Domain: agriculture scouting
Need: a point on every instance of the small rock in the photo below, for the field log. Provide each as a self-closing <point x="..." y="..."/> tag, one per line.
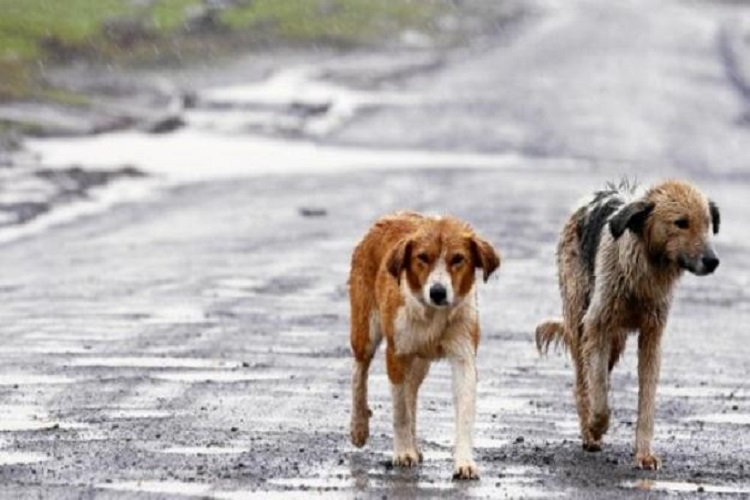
<point x="520" y="439"/>
<point x="313" y="212"/>
<point x="164" y="125"/>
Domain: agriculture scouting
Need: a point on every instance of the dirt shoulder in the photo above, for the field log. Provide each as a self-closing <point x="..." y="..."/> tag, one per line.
<point x="68" y="71"/>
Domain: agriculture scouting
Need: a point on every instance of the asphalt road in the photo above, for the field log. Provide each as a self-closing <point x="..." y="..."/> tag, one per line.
<point x="196" y="343"/>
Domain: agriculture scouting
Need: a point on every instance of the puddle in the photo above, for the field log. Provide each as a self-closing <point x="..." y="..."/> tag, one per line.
<point x="24" y="418"/>
<point x="21" y="457"/>
<point x="684" y="487"/>
<point x="151" y="362"/>
<point x="314" y="482"/>
<point x="511" y="489"/>
<point x="699" y="392"/>
<point x="216" y="376"/>
<point x="304" y="334"/>
<point x="503" y="404"/>
<point x="251" y="157"/>
<point x="177" y="315"/>
<point x="33" y="379"/>
<point x="162" y="157"/>
<point x="280" y="495"/>
<point x="294" y="99"/>
<point x="480" y="442"/>
<point x="430" y="455"/>
<point x="235" y="288"/>
<point x="45" y="348"/>
<point x="159" y="487"/>
<point x="203" y="450"/>
<point x="722" y="418"/>
<point x="136" y="413"/>
<point x="99" y="200"/>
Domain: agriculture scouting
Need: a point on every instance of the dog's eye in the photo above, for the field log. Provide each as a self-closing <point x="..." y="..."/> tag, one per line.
<point x="457" y="259"/>
<point x="423" y="257"/>
<point x="682" y="223"/>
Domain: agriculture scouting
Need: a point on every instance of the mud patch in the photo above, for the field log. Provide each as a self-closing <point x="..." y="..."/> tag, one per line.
<point x="137" y="413"/>
<point x="159" y="487"/>
<point x="722" y="418"/>
<point x="217" y="377"/>
<point x="684" y="487"/>
<point x="17" y="418"/>
<point x="20" y="457"/>
<point x="33" y="379"/>
<point x="42" y="190"/>
<point x="203" y="450"/>
<point x="151" y="362"/>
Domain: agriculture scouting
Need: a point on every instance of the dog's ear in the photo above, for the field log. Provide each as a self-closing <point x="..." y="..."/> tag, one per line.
<point x="715" y="216"/>
<point x="399" y="257"/>
<point x="484" y="256"/>
<point x="632" y="216"/>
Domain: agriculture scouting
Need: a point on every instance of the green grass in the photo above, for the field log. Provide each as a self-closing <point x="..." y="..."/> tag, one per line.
<point x="24" y="23"/>
<point x="34" y="32"/>
<point x="168" y="15"/>
<point x="347" y="21"/>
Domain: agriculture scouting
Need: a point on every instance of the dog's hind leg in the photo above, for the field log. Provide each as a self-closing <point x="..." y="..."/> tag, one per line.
<point x="582" y="400"/>
<point x="366" y="337"/>
<point x="574" y="305"/>
<point x="596" y="352"/>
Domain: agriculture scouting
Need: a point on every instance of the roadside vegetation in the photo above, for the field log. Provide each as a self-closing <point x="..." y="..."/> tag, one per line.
<point x="37" y="33"/>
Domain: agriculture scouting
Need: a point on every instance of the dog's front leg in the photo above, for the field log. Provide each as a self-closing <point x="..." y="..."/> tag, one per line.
<point x="404" y="453"/>
<point x="649" y="364"/>
<point x="463" y="366"/>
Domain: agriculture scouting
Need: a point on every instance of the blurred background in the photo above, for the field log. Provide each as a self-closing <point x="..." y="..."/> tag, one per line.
<point x="182" y="183"/>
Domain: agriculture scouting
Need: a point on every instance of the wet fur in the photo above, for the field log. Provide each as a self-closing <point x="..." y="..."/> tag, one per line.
<point x="391" y="268"/>
<point x="619" y="257"/>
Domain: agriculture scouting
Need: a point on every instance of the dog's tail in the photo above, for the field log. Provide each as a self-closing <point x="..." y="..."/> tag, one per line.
<point x="548" y="333"/>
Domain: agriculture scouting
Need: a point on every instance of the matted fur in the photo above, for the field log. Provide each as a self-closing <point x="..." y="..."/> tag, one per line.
<point x="619" y="257"/>
<point x="397" y="271"/>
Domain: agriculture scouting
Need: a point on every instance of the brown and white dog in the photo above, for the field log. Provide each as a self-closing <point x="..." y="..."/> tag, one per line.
<point x="619" y="258"/>
<point x="412" y="281"/>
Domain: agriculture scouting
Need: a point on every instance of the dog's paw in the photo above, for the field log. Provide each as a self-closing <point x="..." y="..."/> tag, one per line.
<point x="592" y="445"/>
<point x="360" y="431"/>
<point x="407" y="458"/>
<point x="647" y="461"/>
<point x="465" y="469"/>
<point x="598" y="425"/>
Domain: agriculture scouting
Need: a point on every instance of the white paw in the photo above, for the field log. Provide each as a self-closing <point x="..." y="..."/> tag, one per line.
<point x="647" y="461"/>
<point x="465" y="469"/>
<point x="406" y="458"/>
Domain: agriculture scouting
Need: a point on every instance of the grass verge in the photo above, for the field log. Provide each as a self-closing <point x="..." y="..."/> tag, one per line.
<point x="34" y="33"/>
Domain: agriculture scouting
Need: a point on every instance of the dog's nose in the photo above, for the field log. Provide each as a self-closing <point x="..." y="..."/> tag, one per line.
<point x="438" y="294"/>
<point x="710" y="262"/>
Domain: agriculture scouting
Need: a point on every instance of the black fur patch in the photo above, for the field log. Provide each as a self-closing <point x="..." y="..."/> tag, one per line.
<point x="715" y="216"/>
<point x="592" y="221"/>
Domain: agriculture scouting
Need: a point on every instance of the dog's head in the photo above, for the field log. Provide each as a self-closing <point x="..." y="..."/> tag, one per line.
<point x="676" y="222"/>
<point x="438" y="261"/>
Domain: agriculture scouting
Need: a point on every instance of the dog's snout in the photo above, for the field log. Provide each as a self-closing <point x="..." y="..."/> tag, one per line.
<point x="710" y="262"/>
<point x="438" y="294"/>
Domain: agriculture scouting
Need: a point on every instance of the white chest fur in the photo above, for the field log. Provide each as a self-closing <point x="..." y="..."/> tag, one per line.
<point x="429" y="331"/>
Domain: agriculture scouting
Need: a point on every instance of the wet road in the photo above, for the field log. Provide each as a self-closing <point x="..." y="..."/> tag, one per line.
<point x="196" y="343"/>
